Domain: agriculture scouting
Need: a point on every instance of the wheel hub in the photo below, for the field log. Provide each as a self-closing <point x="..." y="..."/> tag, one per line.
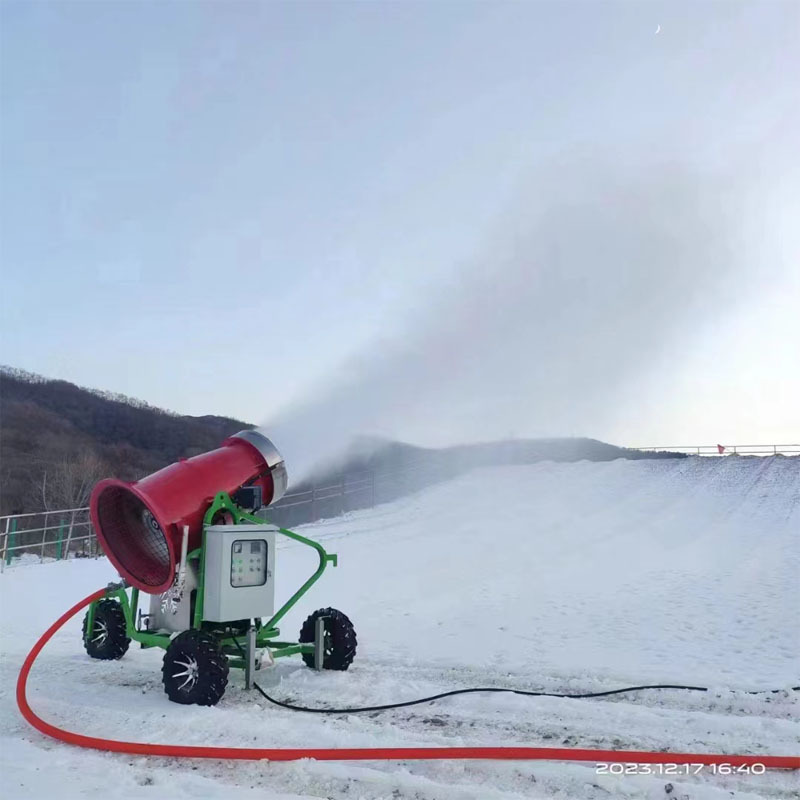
<point x="189" y="673"/>
<point x="100" y="632"/>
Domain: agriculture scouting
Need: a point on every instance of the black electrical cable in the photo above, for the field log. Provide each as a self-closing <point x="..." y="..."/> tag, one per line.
<point x="493" y="689"/>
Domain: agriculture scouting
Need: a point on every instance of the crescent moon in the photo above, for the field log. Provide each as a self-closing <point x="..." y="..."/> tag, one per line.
<point x="658" y="29"/>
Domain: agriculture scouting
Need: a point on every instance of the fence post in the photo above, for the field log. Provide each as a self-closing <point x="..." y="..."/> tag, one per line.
<point x="60" y="547"/>
<point x="5" y="546"/>
<point x="44" y="536"/>
<point x="11" y="540"/>
<point x="69" y="532"/>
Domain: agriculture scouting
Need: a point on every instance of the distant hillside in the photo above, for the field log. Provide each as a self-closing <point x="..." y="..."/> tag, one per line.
<point x="381" y="470"/>
<point x="385" y="455"/>
<point x="57" y="439"/>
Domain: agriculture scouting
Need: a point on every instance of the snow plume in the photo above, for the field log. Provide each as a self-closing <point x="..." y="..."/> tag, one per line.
<point x="584" y="286"/>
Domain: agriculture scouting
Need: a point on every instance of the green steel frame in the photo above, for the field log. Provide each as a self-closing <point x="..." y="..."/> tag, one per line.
<point x="266" y="632"/>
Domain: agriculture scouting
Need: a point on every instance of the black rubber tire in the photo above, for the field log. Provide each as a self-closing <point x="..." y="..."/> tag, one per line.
<point x="340" y="639"/>
<point x="203" y="650"/>
<point x="108" y="641"/>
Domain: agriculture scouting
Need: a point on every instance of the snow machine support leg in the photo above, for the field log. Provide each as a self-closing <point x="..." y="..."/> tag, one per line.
<point x="250" y="656"/>
<point x="319" y="643"/>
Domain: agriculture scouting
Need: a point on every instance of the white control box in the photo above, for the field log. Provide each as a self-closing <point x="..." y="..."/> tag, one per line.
<point x="239" y="572"/>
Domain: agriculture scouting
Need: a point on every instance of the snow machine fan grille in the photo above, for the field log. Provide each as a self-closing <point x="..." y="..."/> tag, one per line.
<point x="134" y="535"/>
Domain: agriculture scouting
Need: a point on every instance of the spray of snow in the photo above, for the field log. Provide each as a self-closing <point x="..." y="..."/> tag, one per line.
<point x="584" y="287"/>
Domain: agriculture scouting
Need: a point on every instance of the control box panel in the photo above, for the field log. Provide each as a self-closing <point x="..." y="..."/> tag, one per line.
<point x="239" y="572"/>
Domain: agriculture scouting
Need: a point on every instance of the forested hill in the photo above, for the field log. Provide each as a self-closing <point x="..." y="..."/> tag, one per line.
<point x="74" y="436"/>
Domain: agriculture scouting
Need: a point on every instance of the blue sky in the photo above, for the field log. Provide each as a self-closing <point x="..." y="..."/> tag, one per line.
<point x="223" y="207"/>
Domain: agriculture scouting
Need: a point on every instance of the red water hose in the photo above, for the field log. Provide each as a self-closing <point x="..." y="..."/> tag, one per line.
<point x="359" y="753"/>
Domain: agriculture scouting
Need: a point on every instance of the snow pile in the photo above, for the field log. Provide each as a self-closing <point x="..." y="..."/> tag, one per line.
<point x="563" y="577"/>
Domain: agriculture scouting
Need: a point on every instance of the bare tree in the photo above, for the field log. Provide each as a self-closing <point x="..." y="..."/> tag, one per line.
<point x="68" y="485"/>
<point x="69" y="482"/>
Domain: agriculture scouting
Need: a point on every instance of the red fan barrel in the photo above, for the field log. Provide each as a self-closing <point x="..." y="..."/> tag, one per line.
<point x="140" y="525"/>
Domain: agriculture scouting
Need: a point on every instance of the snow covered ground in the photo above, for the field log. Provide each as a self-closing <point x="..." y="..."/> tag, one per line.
<point x="563" y="577"/>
